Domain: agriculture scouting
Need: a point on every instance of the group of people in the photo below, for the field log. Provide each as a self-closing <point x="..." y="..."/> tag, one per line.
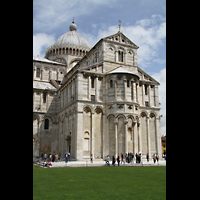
<point x="55" y="157"/>
<point x="129" y="158"/>
<point x="46" y="164"/>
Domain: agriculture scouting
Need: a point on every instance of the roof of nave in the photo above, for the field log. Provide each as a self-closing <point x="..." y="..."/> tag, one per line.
<point x="121" y="70"/>
<point x="41" y="59"/>
<point x="43" y="86"/>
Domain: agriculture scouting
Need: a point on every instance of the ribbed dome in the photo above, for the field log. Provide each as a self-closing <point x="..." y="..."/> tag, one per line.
<point x="72" y="39"/>
<point x="69" y="43"/>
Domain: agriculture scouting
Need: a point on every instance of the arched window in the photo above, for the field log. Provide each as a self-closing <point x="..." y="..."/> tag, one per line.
<point x="92" y="82"/>
<point x="120" y="56"/>
<point x="111" y="83"/>
<point x="46" y="124"/>
<point x="38" y="73"/>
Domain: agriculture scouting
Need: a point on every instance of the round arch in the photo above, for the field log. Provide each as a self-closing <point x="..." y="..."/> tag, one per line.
<point x="143" y="114"/>
<point x="87" y="109"/>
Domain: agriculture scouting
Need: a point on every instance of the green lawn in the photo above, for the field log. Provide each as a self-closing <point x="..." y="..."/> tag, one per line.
<point x="99" y="183"/>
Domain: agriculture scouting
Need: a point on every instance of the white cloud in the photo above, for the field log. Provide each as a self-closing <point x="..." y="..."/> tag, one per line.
<point x="40" y="42"/>
<point x="160" y="61"/>
<point x="50" y="14"/>
<point x="161" y="78"/>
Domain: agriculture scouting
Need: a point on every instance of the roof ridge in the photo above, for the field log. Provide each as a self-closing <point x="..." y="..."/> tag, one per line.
<point x="53" y="82"/>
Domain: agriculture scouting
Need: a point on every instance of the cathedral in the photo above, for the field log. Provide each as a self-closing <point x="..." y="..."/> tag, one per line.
<point x="94" y="100"/>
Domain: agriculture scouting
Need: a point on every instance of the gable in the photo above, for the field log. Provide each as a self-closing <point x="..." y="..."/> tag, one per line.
<point x="122" y="39"/>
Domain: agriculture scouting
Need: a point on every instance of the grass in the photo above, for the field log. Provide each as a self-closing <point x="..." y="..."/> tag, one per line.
<point x="99" y="183"/>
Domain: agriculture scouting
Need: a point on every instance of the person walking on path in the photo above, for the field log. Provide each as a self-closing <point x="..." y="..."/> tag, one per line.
<point x="59" y="156"/>
<point x="91" y="158"/>
<point x="122" y="158"/>
<point x="157" y="157"/>
<point x="154" y="158"/>
<point x="113" y="161"/>
<point x="53" y="157"/>
<point x="132" y="159"/>
<point x="66" y="157"/>
<point x="147" y="157"/>
<point x="45" y="156"/>
<point x="118" y="160"/>
<point x="108" y="159"/>
<point x="56" y="157"/>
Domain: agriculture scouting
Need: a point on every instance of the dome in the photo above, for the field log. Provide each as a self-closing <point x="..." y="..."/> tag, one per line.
<point x="72" y="39"/>
<point x="70" y="43"/>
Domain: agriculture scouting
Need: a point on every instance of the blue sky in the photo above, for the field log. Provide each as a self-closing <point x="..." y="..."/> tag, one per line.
<point x="143" y="22"/>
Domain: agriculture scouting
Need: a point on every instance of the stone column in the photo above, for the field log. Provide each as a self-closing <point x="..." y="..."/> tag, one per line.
<point x="125" y="90"/>
<point x="47" y="101"/>
<point x="158" y="138"/>
<point x="137" y="86"/>
<point x="115" y="90"/>
<point x="39" y="137"/>
<point x="34" y="73"/>
<point x="140" y="141"/>
<point x="50" y="74"/>
<point x="143" y="94"/>
<point x="57" y="75"/>
<point x="116" y="141"/>
<point x="42" y="72"/>
<point x="41" y="101"/>
<point x="149" y="87"/>
<point x="126" y="136"/>
<point x="96" y="89"/>
<point x="92" y="139"/>
<point x="148" y="137"/>
<point x="89" y="86"/>
<point x="116" y="56"/>
<point x="134" y="137"/>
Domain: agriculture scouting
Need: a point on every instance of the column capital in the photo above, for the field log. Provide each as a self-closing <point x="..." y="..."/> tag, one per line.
<point x="126" y="122"/>
<point x="116" y="121"/>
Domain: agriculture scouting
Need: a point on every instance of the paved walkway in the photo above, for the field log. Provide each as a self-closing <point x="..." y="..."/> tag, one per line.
<point x="102" y="163"/>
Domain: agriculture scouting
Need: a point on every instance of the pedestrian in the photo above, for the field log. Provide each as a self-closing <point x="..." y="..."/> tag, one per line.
<point x="154" y="158"/>
<point x="128" y="158"/>
<point x="45" y="156"/>
<point x="108" y="159"/>
<point x="136" y="157"/>
<point x="122" y="158"/>
<point x="147" y="157"/>
<point x="157" y="157"/>
<point x="53" y="157"/>
<point x="140" y="157"/>
<point x="132" y="159"/>
<point x="118" y="160"/>
<point x="56" y="157"/>
<point x="113" y="161"/>
<point x="59" y="156"/>
<point x="91" y="158"/>
<point x="50" y="156"/>
<point x="66" y="157"/>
